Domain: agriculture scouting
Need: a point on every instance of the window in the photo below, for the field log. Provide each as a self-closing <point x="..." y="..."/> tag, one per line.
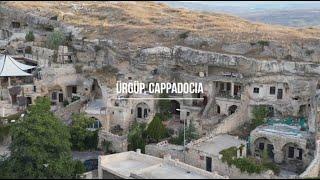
<point x="74" y="89"/>
<point x="300" y="154"/>
<point x="228" y="86"/>
<point x="54" y="96"/>
<point x="261" y="146"/>
<point x="256" y="90"/>
<point x="291" y="152"/>
<point x="272" y="90"/>
<point x="280" y="93"/>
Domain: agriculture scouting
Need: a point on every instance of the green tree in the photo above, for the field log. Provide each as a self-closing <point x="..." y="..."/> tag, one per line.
<point x="191" y="134"/>
<point x="156" y="130"/>
<point x="177" y="140"/>
<point x="55" y="39"/>
<point x="259" y="115"/>
<point x="137" y="137"/>
<point x="29" y="36"/>
<point x="106" y="145"/>
<point x="82" y="138"/>
<point x="164" y="107"/>
<point x="40" y="147"/>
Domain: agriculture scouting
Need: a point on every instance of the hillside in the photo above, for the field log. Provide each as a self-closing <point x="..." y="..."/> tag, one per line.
<point x="148" y="24"/>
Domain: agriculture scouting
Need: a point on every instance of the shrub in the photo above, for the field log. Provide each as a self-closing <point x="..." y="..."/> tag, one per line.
<point x="248" y="165"/>
<point x="65" y="103"/>
<point x="79" y="68"/>
<point x="75" y="98"/>
<point x="272" y="166"/>
<point x="29" y="36"/>
<point x="177" y="140"/>
<point x="4" y="132"/>
<point x="288" y="57"/>
<point x="156" y="130"/>
<point x="191" y="134"/>
<point x="106" y="146"/>
<point x="309" y="52"/>
<point x="263" y="43"/>
<point x="259" y="115"/>
<point x="55" y="39"/>
<point x="184" y="35"/>
<point x="164" y="107"/>
<point x="81" y="138"/>
<point x="137" y="137"/>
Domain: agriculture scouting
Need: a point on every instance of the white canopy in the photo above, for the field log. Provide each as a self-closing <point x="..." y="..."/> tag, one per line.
<point x="10" y="67"/>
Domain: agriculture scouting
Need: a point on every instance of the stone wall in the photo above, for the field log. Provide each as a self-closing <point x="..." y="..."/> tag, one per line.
<point x="160" y="151"/>
<point x="234" y="172"/>
<point x="118" y="143"/>
<point x="198" y="159"/>
<point x="313" y="169"/>
<point x="236" y="119"/>
<point x="66" y="112"/>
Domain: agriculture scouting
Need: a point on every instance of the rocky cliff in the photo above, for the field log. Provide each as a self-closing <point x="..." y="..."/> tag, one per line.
<point x="137" y="25"/>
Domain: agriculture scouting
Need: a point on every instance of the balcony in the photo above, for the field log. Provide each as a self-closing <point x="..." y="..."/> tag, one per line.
<point x="227" y="95"/>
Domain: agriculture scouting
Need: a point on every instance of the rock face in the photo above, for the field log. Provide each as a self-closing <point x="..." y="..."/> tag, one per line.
<point x="247" y="66"/>
<point x="5" y="34"/>
<point x="165" y="26"/>
<point x="237" y="48"/>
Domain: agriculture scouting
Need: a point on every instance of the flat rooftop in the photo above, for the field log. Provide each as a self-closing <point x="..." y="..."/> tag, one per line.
<point x="125" y="167"/>
<point x="136" y="165"/>
<point x="282" y="130"/>
<point x="216" y="144"/>
<point x="164" y="171"/>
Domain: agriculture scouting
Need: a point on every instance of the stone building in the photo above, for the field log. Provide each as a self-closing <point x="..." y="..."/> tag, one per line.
<point x="134" y="165"/>
<point x="285" y="144"/>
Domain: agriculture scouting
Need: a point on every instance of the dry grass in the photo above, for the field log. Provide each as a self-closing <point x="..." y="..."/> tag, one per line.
<point x="136" y="22"/>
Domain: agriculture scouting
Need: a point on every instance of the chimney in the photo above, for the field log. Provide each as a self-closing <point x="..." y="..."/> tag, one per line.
<point x="138" y="151"/>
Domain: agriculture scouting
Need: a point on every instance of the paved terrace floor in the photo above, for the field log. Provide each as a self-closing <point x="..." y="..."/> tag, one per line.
<point x="94" y="107"/>
<point x="165" y="171"/>
<point x="218" y="143"/>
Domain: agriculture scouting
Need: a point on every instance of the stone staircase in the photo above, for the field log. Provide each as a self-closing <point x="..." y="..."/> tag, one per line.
<point x="236" y="119"/>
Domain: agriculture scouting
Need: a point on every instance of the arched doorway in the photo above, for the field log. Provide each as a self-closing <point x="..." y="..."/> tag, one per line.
<point x="96" y="90"/>
<point x="56" y="95"/>
<point x="263" y="144"/>
<point x="29" y="101"/>
<point x="232" y="109"/>
<point x="218" y="109"/>
<point x="95" y="125"/>
<point x="175" y="106"/>
<point x="142" y="110"/>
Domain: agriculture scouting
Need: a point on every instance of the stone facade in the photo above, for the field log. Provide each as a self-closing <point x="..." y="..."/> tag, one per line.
<point x="118" y="143"/>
